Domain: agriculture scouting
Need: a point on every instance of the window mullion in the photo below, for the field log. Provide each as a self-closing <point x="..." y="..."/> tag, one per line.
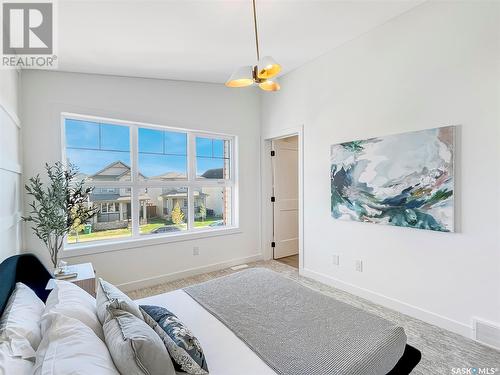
<point x="135" y="205"/>
<point x="190" y="221"/>
<point x="191" y="156"/>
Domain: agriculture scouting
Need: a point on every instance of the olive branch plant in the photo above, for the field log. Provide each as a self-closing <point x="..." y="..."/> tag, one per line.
<point x="59" y="206"/>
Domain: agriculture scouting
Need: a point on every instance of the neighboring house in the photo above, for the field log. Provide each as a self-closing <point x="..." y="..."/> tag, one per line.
<point x="114" y="203"/>
<point x="169" y="198"/>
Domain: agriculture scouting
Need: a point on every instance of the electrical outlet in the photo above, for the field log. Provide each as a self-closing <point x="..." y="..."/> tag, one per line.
<point x="196" y="250"/>
<point x="359" y="265"/>
<point x="336" y="259"/>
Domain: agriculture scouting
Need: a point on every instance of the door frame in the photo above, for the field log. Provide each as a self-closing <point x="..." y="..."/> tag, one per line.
<point x="266" y="190"/>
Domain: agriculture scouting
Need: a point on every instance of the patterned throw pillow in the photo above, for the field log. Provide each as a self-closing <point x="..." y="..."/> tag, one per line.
<point x="183" y="347"/>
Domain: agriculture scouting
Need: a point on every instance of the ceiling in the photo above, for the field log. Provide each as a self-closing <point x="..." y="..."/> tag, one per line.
<point x="205" y="40"/>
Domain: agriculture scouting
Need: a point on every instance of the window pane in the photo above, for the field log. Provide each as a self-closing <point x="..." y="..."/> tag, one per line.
<point x="212" y="158"/>
<point x="212" y="207"/>
<point x="113" y="219"/>
<point x="162" y="154"/>
<point x="100" y="151"/>
<point x="175" y="143"/>
<point x="115" y="137"/>
<point x="150" y="140"/>
<point x="218" y="148"/>
<point x="83" y="134"/>
<point x="163" y="210"/>
<point x="204" y="147"/>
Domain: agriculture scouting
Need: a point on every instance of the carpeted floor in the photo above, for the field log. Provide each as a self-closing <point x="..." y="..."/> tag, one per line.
<point x="442" y="351"/>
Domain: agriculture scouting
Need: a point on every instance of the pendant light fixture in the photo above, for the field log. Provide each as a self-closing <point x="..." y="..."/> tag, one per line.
<point x="260" y="74"/>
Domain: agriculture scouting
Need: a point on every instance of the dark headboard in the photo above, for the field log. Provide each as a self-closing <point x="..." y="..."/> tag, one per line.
<point x="24" y="268"/>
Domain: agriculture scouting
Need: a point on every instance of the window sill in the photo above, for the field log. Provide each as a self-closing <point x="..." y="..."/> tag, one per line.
<point x="87" y="248"/>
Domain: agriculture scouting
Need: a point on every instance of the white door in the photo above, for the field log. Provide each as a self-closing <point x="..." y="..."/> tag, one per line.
<point x="286" y="195"/>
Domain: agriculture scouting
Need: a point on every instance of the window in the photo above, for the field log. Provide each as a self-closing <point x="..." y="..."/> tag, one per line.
<point x="149" y="180"/>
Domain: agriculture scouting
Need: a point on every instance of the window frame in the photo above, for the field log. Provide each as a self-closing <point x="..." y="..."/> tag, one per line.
<point x="192" y="182"/>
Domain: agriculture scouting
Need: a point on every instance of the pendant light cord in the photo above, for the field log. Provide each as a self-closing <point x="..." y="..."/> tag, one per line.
<point x="255" y="27"/>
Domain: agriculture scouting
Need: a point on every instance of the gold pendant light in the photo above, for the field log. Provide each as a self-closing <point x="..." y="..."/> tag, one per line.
<point x="259" y="74"/>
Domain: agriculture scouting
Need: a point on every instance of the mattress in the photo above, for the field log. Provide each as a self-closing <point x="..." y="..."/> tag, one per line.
<point x="225" y="352"/>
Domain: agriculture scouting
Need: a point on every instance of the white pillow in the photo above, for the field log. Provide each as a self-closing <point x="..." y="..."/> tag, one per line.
<point x="11" y="364"/>
<point x="108" y="293"/>
<point x="20" y="321"/>
<point x="72" y="301"/>
<point x="70" y="347"/>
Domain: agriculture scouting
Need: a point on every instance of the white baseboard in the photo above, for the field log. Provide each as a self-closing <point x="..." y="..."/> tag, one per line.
<point x="403" y="307"/>
<point x="155" y="280"/>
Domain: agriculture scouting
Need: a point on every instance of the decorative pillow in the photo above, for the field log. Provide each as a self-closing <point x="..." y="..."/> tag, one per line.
<point x="70" y="347"/>
<point x="183" y="346"/>
<point x="107" y="293"/>
<point x="136" y="349"/>
<point x="20" y="321"/>
<point x="11" y="364"/>
<point x="72" y="301"/>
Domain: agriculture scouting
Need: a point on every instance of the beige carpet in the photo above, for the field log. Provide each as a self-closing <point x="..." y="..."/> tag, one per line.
<point x="441" y="350"/>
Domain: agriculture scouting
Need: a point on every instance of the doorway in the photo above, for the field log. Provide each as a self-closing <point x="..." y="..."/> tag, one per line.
<point x="285" y="199"/>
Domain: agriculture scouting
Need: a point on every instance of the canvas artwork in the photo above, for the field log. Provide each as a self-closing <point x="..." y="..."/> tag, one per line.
<point x="404" y="179"/>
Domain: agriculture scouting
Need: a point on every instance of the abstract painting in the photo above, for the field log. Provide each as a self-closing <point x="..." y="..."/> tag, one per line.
<point x="405" y="180"/>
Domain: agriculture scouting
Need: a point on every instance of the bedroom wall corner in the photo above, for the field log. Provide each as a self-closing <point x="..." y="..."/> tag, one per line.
<point x="10" y="164"/>
<point x="435" y="65"/>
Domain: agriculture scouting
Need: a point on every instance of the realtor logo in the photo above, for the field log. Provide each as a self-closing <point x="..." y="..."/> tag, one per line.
<point x="27" y="28"/>
<point x="28" y="35"/>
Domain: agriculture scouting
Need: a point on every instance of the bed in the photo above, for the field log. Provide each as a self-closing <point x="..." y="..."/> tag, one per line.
<point x="228" y="317"/>
<point x="226" y="349"/>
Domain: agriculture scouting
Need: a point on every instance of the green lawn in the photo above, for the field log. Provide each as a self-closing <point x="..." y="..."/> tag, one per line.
<point x="126" y="232"/>
<point x="101" y="235"/>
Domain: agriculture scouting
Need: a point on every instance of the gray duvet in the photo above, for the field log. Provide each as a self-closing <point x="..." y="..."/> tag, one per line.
<point x="298" y="331"/>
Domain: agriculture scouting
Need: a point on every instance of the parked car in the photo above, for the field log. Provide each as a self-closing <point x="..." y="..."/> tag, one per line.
<point x="165" y="229"/>
<point x="217" y="223"/>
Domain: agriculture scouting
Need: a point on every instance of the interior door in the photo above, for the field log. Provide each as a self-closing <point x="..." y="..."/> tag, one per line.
<point x="286" y="197"/>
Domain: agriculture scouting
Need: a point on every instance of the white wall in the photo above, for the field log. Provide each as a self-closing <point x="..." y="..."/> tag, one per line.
<point x="10" y="165"/>
<point x="190" y="105"/>
<point x="436" y="65"/>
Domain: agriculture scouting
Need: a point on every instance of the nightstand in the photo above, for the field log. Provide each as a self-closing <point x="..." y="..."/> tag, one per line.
<point x="85" y="278"/>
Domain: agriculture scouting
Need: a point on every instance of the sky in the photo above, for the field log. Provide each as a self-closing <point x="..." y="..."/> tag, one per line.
<point x="92" y="146"/>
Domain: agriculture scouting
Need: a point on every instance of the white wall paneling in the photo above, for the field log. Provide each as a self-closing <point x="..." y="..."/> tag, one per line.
<point x="10" y="165"/>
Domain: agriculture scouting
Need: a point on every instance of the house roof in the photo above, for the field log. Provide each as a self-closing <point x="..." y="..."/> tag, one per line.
<point x="175" y="193"/>
<point x="100" y="175"/>
<point x="214" y="173"/>
<point x="169" y="176"/>
<point x="114" y="164"/>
